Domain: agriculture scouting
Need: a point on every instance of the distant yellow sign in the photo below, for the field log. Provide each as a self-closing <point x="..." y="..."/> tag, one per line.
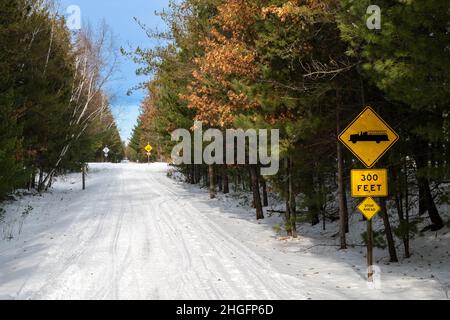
<point x="369" y="208"/>
<point x="369" y="137"/>
<point x="148" y="148"/>
<point x="369" y="183"/>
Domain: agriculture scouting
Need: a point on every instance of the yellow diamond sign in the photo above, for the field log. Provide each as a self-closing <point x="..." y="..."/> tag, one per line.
<point x="148" y="148"/>
<point x="369" y="208"/>
<point x="369" y="137"/>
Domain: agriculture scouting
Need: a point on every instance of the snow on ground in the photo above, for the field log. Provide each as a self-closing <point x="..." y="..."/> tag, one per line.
<point x="136" y="234"/>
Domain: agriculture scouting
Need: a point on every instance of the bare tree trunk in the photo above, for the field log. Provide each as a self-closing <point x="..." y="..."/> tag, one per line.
<point x="313" y="207"/>
<point x="324" y="219"/>
<point x="422" y="202"/>
<point x="427" y="198"/>
<point x="196" y="174"/>
<point x="288" y="215"/>
<point x="249" y="169"/>
<point x="219" y="180"/>
<point x="33" y="180"/>
<point x="407" y="203"/>
<point x="50" y="183"/>
<point x="264" y="190"/>
<point x="346" y="215"/>
<point x="322" y="207"/>
<point x="192" y="171"/>
<point x="401" y="215"/>
<point x="256" y="193"/>
<point x="225" y="180"/>
<point x="388" y="231"/>
<point x="340" y="160"/>
<point x="83" y="172"/>
<point x="426" y="201"/>
<point x="212" y="185"/>
<point x="41" y="180"/>
<point x="205" y="178"/>
<point x="292" y="204"/>
<point x="49" y="47"/>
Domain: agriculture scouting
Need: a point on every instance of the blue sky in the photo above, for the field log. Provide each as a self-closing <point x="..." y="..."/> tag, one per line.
<point x="119" y="15"/>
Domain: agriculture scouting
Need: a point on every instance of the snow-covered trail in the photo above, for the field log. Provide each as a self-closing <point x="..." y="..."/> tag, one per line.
<point x="136" y="234"/>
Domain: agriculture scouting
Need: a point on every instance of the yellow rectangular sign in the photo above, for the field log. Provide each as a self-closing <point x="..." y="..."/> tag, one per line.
<point x="370" y="183"/>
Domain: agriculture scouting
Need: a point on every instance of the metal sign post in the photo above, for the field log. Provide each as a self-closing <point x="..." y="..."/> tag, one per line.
<point x="369" y="137"/>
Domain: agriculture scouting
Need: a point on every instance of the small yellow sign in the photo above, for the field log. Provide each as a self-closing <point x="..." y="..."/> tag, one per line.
<point x="369" y="137"/>
<point x="148" y="148"/>
<point x="370" y="183"/>
<point x="369" y="208"/>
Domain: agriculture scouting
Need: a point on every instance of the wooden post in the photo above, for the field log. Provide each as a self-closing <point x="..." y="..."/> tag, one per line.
<point x="370" y="250"/>
<point x="83" y="172"/>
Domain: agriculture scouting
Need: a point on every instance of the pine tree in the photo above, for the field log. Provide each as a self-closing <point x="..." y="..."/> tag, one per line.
<point x="134" y="146"/>
<point x="47" y="103"/>
<point x="12" y="21"/>
<point x="407" y="59"/>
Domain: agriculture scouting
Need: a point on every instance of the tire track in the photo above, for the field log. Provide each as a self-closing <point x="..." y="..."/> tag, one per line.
<point x="250" y="271"/>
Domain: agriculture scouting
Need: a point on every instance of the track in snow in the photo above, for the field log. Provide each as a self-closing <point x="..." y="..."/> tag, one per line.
<point x="135" y="235"/>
